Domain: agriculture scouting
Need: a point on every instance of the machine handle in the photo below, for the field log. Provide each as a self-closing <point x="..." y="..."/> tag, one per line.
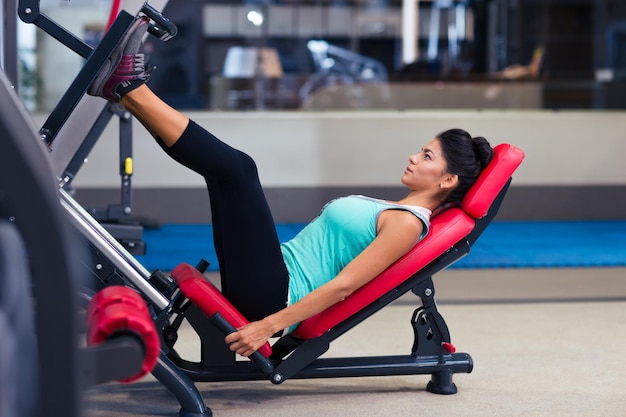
<point x="163" y="28"/>
<point x="225" y="327"/>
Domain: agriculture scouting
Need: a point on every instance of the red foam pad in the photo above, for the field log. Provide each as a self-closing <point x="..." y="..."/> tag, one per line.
<point x="209" y="299"/>
<point x="116" y="310"/>
<point x="479" y="198"/>
<point x="446" y="229"/>
<point x="116" y="294"/>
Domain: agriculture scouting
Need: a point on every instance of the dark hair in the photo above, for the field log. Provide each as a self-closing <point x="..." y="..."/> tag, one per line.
<point x="466" y="157"/>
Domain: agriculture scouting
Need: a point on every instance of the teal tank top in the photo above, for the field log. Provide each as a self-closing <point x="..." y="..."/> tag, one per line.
<point x="344" y="228"/>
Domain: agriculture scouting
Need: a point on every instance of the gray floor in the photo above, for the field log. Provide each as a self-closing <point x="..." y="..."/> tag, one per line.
<point x="545" y="342"/>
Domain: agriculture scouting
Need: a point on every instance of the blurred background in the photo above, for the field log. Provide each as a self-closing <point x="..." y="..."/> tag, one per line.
<point x="359" y="54"/>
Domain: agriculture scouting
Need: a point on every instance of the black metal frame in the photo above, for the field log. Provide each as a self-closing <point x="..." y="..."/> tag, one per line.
<point x="8" y="28"/>
<point x="116" y="218"/>
<point x="54" y="251"/>
<point x="29" y="12"/>
<point x="34" y="206"/>
<point x="61" y="362"/>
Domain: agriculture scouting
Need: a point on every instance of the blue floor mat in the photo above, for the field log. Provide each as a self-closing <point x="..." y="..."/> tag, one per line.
<point x="564" y="244"/>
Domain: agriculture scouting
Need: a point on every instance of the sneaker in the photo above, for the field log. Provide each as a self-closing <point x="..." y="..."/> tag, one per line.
<point x="124" y="66"/>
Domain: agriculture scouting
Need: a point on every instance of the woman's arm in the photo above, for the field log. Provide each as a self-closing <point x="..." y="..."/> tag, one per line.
<point x="398" y="232"/>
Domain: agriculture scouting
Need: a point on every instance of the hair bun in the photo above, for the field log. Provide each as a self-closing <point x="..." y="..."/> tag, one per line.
<point x="483" y="150"/>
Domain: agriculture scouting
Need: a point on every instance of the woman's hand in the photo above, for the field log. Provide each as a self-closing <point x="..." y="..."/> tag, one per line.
<point x="250" y="337"/>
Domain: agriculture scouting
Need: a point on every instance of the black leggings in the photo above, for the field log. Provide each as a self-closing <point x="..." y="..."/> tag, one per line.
<point x="253" y="274"/>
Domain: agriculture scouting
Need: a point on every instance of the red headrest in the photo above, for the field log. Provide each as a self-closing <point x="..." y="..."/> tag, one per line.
<point x="480" y="196"/>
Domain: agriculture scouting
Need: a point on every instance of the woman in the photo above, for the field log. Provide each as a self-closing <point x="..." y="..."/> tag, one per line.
<point x="352" y="241"/>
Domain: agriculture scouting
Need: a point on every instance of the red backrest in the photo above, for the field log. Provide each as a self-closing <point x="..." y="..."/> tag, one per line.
<point x="479" y="198"/>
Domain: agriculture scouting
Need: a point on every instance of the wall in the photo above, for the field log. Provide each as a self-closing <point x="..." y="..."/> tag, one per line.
<point x="574" y="165"/>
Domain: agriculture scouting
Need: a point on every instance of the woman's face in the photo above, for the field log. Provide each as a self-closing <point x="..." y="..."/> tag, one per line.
<point x="427" y="169"/>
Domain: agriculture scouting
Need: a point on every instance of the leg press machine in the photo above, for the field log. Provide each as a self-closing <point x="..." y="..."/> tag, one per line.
<point x="185" y="295"/>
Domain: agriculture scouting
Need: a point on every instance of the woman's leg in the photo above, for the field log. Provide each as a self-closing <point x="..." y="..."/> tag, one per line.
<point x="254" y="277"/>
<point x="156" y="116"/>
